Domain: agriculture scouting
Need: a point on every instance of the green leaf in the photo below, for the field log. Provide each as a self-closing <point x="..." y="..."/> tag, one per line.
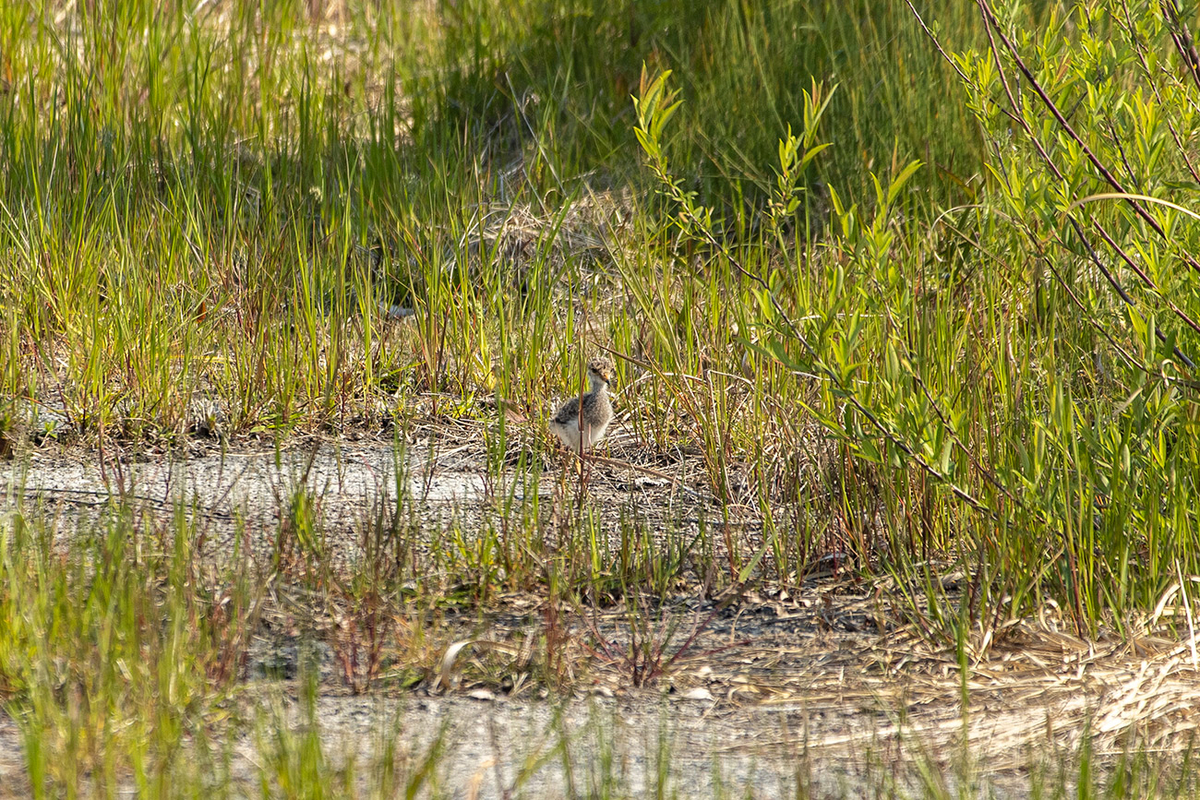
<point x="901" y="179"/>
<point x="944" y="459"/>
<point x="744" y="573"/>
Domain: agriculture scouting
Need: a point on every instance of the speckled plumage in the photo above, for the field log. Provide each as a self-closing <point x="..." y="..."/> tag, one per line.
<point x="596" y="414"/>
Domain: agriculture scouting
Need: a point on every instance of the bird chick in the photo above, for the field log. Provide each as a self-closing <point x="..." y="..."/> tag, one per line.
<point x="582" y="421"/>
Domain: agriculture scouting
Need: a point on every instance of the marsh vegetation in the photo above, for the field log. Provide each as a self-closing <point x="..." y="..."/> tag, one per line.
<point x="900" y="490"/>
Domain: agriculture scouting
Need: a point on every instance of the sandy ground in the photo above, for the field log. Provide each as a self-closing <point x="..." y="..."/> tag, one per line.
<point x="692" y="748"/>
<point x="817" y="684"/>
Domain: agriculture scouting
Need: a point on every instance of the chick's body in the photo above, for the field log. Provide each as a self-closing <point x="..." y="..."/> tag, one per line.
<point x="583" y="421"/>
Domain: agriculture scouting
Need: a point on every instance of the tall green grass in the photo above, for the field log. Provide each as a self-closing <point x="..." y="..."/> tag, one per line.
<point x="188" y="198"/>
